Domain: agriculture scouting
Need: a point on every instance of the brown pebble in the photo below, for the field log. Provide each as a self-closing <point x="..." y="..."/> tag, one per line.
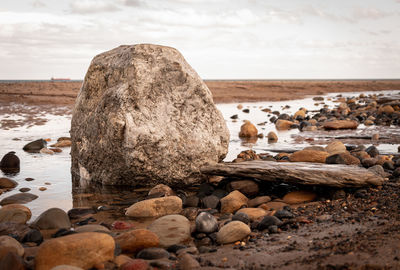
<point x="42" y="188"/>
<point x="29" y="179"/>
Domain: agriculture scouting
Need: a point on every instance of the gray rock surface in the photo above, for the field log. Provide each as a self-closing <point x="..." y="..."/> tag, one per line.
<point x="144" y="117"/>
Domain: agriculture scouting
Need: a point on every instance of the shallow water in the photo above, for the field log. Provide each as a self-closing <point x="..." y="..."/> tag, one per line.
<point x="55" y="169"/>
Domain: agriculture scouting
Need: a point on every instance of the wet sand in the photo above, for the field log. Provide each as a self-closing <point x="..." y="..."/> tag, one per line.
<point x="57" y="93"/>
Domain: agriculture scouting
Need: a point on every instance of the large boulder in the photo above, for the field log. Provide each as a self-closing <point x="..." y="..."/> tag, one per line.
<point x="144" y="117"/>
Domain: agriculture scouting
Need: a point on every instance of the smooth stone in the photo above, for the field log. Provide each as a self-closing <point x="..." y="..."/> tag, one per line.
<point x="24" y="189"/>
<point x="372" y="151"/>
<point x="335" y="147"/>
<point x="283" y="214"/>
<point x="272" y="137"/>
<point x="34" y="236"/>
<point x="268" y="221"/>
<point x="122" y="259"/>
<point x="258" y="201"/>
<point x="253" y="213"/>
<point x="309" y="156"/>
<point x="301" y="196"/>
<point x="171" y="230"/>
<point x="17" y="230"/>
<point x="283" y="124"/>
<point x="366" y="162"/>
<point x="188" y="262"/>
<point x="15" y="213"/>
<point x="10" y="162"/>
<point x="63" y="143"/>
<point x="122" y="225"/>
<point x="233" y="202"/>
<point x="206" y="223"/>
<point x="136" y="264"/>
<point x="248" y="130"/>
<point x="155" y="207"/>
<point x="12" y="244"/>
<point x="232" y="232"/>
<point x="66" y="267"/>
<point x="7" y="183"/>
<point x="388" y="109"/>
<point x="161" y="190"/>
<point x="301" y="114"/>
<point x="46" y="151"/>
<point x="85" y="250"/>
<point x="136" y="240"/>
<point x="246" y="187"/>
<point x="192" y="201"/>
<point x="241" y="216"/>
<point x="273" y="206"/>
<point x="19" y="198"/>
<point x="340" y="124"/>
<point x="35" y="145"/>
<point x="92" y="228"/>
<point x="76" y="213"/>
<point x="53" y="218"/>
<point x="211" y="201"/>
<point x="12" y="261"/>
<point x="152" y="253"/>
<point x="342" y="158"/>
<point x="190" y="213"/>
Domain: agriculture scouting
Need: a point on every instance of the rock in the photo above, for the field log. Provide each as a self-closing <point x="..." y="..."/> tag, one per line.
<point x="12" y="245"/>
<point x="7" y="183"/>
<point x="76" y="213"/>
<point x="10" y="162"/>
<point x="272" y="137"/>
<point x="24" y="189"/>
<point x="192" y="201"/>
<point x="85" y="250"/>
<point x="273" y="206"/>
<point x="155" y="207"/>
<point x="258" y="201"/>
<point x="239" y="106"/>
<point x="387" y="109"/>
<point x="342" y="158"/>
<point x="233" y="202"/>
<point x="15" y="213"/>
<point x="309" y="156"/>
<point x="55" y="149"/>
<point x="145" y="128"/>
<point x="152" y="253"/>
<point x="122" y="225"/>
<point x="206" y="223"/>
<point x="161" y="190"/>
<point x="300" y="196"/>
<point x="246" y="110"/>
<point x="375" y="136"/>
<point x="211" y="201"/>
<point x="19" y="198"/>
<point x="366" y="162"/>
<point x="248" y="130"/>
<point x="241" y="216"/>
<point x="187" y="262"/>
<point x="136" y="240"/>
<point x="235" y="116"/>
<point x="232" y="232"/>
<point x="340" y="124"/>
<point x="43" y="188"/>
<point x="46" y="151"/>
<point x="33" y="236"/>
<point x="66" y="267"/>
<point x="246" y="187"/>
<point x="283" y="214"/>
<point x="368" y="122"/>
<point x="300" y="114"/>
<point x="136" y="264"/>
<point x="171" y="230"/>
<point x="335" y="147"/>
<point x="35" y="146"/>
<point x="53" y="218"/>
<point x="190" y="213"/>
<point x="372" y="151"/>
<point x="253" y="213"/>
<point x="268" y="221"/>
<point x="17" y="230"/>
<point x="92" y="228"/>
<point x="62" y="143"/>
<point x="11" y="261"/>
<point x="283" y="124"/>
<point x="122" y="259"/>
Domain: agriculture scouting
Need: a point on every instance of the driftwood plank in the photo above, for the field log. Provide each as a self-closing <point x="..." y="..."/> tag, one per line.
<point x="297" y="173"/>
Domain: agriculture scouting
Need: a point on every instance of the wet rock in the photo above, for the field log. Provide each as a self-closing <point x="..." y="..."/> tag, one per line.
<point x="283" y="124"/>
<point x="162" y="125"/>
<point x="155" y="207"/>
<point x="235" y="116"/>
<point x="10" y="162"/>
<point x="273" y="206"/>
<point x="188" y="262"/>
<point x="309" y="156"/>
<point x="211" y="201"/>
<point x="46" y="151"/>
<point x="241" y="216"/>
<point x="152" y="253"/>
<point x="19" y="198"/>
<point x="15" y="213"/>
<point x="192" y="201"/>
<point x="171" y="230"/>
<point x="258" y="201"/>
<point x="233" y="202"/>
<point x="62" y="143"/>
<point x="24" y="189"/>
<point x="55" y="149"/>
<point x="372" y="151"/>
<point x="16" y="230"/>
<point x="232" y="232"/>
<point x="11" y="244"/>
<point x="388" y="165"/>
<point x="272" y="137"/>
<point x="369" y="162"/>
<point x="92" y="228"/>
<point x="35" y="146"/>
<point x="136" y="264"/>
<point x="220" y="193"/>
<point x="206" y="223"/>
<point x="33" y="236"/>
<point x="301" y="196"/>
<point x="122" y="259"/>
<point x="283" y="214"/>
<point x="85" y="250"/>
<point x="268" y="221"/>
<point x="299" y="115"/>
<point x="7" y="183"/>
<point x="161" y="190"/>
<point x="76" y="213"/>
<point x="340" y="124"/>
<point x="342" y="158"/>
<point x="11" y="261"/>
<point x="253" y="213"/>
<point x="53" y="218"/>
<point x="246" y="187"/>
<point x="248" y="130"/>
<point x="335" y="147"/>
<point x="387" y="109"/>
<point x="190" y="213"/>
<point x="136" y="240"/>
<point x="66" y="267"/>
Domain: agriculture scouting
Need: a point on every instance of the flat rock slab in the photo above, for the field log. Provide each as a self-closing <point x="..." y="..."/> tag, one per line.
<point x="303" y="173"/>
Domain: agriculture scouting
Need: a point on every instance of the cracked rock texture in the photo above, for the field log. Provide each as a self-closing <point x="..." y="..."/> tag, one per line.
<point x="144" y="117"/>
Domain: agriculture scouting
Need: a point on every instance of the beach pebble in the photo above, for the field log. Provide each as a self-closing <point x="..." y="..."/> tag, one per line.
<point x="152" y="253"/>
<point x="188" y="262"/>
<point x="253" y="213"/>
<point x="372" y="151"/>
<point x="121" y="225"/>
<point x="301" y="196"/>
<point x="171" y="230"/>
<point x="19" y="198"/>
<point x="10" y="162"/>
<point x="246" y="187"/>
<point x="53" y="218"/>
<point x="241" y="216"/>
<point x="7" y="183"/>
<point x="63" y="143"/>
<point x="268" y="221"/>
<point x="46" y="151"/>
<point x="206" y="223"/>
<point x="340" y="124"/>
<point x="210" y="201"/>
<point x="33" y="236"/>
<point x="12" y="244"/>
<point x="233" y="202"/>
<point x="272" y="137"/>
<point x="342" y="158"/>
<point x="335" y="147"/>
<point x="161" y="190"/>
<point x="136" y="264"/>
<point x="309" y="156"/>
<point x="35" y="146"/>
<point x="155" y="207"/>
<point x="85" y="250"/>
<point x="283" y="214"/>
<point x="136" y="240"/>
<point x="91" y="228"/>
<point x="283" y="124"/>
<point x="248" y="130"/>
<point x="24" y="189"/>
<point x="43" y="188"/>
<point x="15" y="213"/>
<point x="232" y="232"/>
<point x="273" y="206"/>
<point x="258" y="201"/>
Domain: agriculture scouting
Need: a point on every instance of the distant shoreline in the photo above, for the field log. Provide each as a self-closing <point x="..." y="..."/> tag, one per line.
<point x="224" y="91"/>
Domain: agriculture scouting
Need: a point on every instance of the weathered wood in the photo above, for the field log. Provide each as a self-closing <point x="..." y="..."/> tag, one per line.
<point x="297" y="173"/>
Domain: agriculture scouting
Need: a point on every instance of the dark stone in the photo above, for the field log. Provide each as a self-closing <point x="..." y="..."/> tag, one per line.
<point x="235" y="116"/>
<point x="175" y="248"/>
<point x="304" y="124"/>
<point x="273" y="119"/>
<point x="206" y="223"/>
<point x="192" y="201"/>
<point x="213" y="236"/>
<point x="86" y="221"/>
<point x="246" y="110"/>
<point x="20" y="198"/>
<point x="11" y="261"/>
<point x="273" y="229"/>
<point x="243" y="217"/>
<point x="62" y="232"/>
<point x="211" y="201"/>
<point x="7" y="183"/>
<point x="34" y="236"/>
<point x="35" y="146"/>
<point x="396" y="173"/>
<point x="10" y="163"/>
<point x="372" y="151"/>
<point x="361" y="193"/>
<point x="388" y="165"/>
<point x="24" y="189"/>
<point x="220" y="193"/>
<point x="268" y="221"/>
<point x="152" y="253"/>
<point x="53" y="218"/>
<point x="339" y="194"/>
<point x="76" y="213"/>
<point x="368" y="162"/>
<point x="283" y="214"/>
<point x="205" y="190"/>
<point x="284" y="116"/>
<point x="335" y="159"/>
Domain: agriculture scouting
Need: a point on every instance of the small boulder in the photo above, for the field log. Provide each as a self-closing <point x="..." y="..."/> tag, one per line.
<point x="300" y="196"/>
<point x="10" y="162"/>
<point x="53" y="218"/>
<point x="387" y="109"/>
<point x="253" y="213"/>
<point x="171" y="230"/>
<point x="258" y="201"/>
<point x="11" y="244"/>
<point x="35" y="146"/>
<point x="136" y="240"/>
<point x="19" y="198"/>
<point x="152" y="253"/>
<point x="206" y="223"/>
<point x="232" y="232"/>
<point x="233" y="202"/>
<point x="283" y="124"/>
<point x="309" y="156"/>
<point x="155" y="207"/>
<point x="15" y="213"/>
<point x="161" y="190"/>
<point x="342" y="158"/>
<point x="335" y="147"/>
<point x="268" y="221"/>
<point x="340" y="124"/>
<point x="272" y="137"/>
<point x="248" y="130"/>
<point x="7" y="183"/>
<point x="246" y="187"/>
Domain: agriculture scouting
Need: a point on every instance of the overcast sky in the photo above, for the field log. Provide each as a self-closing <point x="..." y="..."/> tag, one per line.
<point x="226" y="39"/>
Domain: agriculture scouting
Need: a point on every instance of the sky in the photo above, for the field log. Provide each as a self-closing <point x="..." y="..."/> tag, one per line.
<point x="220" y="39"/>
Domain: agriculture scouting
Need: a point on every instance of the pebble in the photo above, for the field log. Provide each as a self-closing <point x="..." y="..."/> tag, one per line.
<point x="35" y="146"/>
<point x="241" y="216"/>
<point x="152" y="253"/>
<point x="42" y="188"/>
<point x="258" y="201"/>
<point x="273" y="206"/>
<point x="24" y="189"/>
<point x="11" y="244"/>
<point x="301" y="196"/>
<point x="335" y="147"/>
<point x="309" y="156"/>
<point x="283" y="124"/>
<point x="188" y="262"/>
<point x="372" y="151"/>
<point x="136" y="264"/>
<point x="46" y="151"/>
<point x="210" y="201"/>
<point x="248" y="130"/>
<point x="15" y="213"/>
<point x="192" y="201"/>
<point x="92" y="228"/>
<point x="33" y="236"/>
<point x="161" y="190"/>
<point x="20" y="198"/>
<point x="155" y="207"/>
<point x="53" y="218"/>
<point x="268" y="221"/>
<point x="10" y="162"/>
<point x="246" y="187"/>
<point x="171" y="230"/>
<point x="206" y="223"/>
<point x="253" y="213"/>
<point x="7" y="183"/>
<point x="233" y="202"/>
<point x="76" y="213"/>
<point x="283" y="214"/>
<point x="340" y="124"/>
<point x="122" y="225"/>
<point x="232" y="232"/>
<point x="136" y="240"/>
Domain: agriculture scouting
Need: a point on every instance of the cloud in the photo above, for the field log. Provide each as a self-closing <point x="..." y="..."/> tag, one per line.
<point x="92" y="6"/>
<point x="38" y="4"/>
